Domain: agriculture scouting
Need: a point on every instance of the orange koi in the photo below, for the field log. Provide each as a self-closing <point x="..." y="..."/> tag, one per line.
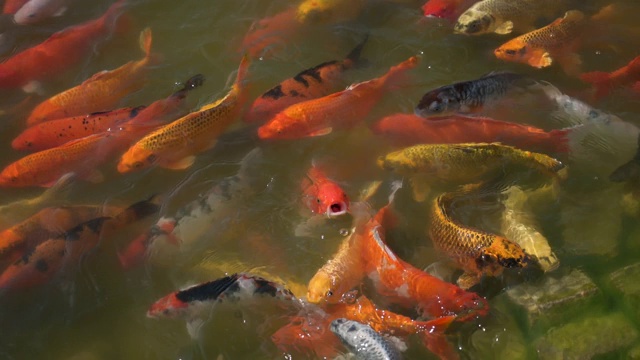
<point x="57" y="132"/>
<point x="12" y="6"/>
<point x="61" y="252"/>
<point x="604" y="82"/>
<point x="556" y="41"/>
<point x="343" y="109"/>
<point x="49" y="222"/>
<point x="311" y="333"/>
<point x="270" y="32"/>
<point x="323" y="196"/>
<point x="410" y="129"/>
<point x="59" y="52"/>
<point x="84" y="155"/>
<point x="101" y="92"/>
<point x="175" y="145"/>
<point x="446" y="9"/>
<point x="312" y="83"/>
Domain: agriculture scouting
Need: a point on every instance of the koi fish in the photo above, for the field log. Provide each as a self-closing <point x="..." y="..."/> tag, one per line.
<point x="59" y="52"/>
<point x="504" y="16"/>
<point x="57" y="132"/>
<point x="458" y="163"/>
<point x="12" y="6"/>
<point x="322" y="195"/>
<point x="188" y="227"/>
<point x="53" y="196"/>
<point x="318" y="81"/>
<point x="101" y="92"/>
<point x="35" y="11"/>
<point x="58" y="253"/>
<point x="328" y="11"/>
<point x="446" y="9"/>
<point x="270" y="32"/>
<point x="196" y="302"/>
<point x="312" y="332"/>
<point x="409" y="129"/>
<point x="477" y="252"/>
<point x="363" y="341"/>
<point x="46" y="223"/>
<point x="175" y="145"/>
<point x="343" y="109"/>
<point x="556" y="41"/>
<point x="472" y="95"/>
<point x="604" y="83"/>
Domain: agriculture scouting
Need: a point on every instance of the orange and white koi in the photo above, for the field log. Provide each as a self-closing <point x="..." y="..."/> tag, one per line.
<point x="175" y="145"/>
<point x="343" y="109"/>
<point x="557" y="41"/>
<point x="318" y="81"/>
<point x="101" y="92"/>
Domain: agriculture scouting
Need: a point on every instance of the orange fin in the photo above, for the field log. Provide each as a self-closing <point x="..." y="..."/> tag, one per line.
<point x="321" y="132"/>
<point x="145" y="41"/>
<point x="181" y="164"/>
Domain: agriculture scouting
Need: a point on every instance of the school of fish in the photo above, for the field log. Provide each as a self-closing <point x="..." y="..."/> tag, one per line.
<point x="458" y="163"/>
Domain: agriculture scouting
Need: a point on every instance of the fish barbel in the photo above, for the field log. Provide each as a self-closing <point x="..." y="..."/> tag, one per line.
<point x="477" y="252"/>
<point x="505" y="16"/>
<point x="101" y="92"/>
<point x="175" y="145"/>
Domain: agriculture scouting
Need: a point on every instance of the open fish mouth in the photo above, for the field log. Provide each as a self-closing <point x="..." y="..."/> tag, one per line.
<point x="337" y="209"/>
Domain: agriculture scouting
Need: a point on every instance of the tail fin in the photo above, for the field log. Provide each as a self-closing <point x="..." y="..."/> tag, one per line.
<point x="60" y="190"/>
<point x="243" y="69"/>
<point x="145" y="41"/>
<point x="396" y="76"/>
<point x="193" y="83"/>
<point x="601" y="82"/>
<point x="354" y="55"/>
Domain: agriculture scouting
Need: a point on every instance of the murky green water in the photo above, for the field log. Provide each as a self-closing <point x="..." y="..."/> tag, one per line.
<point x="99" y="312"/>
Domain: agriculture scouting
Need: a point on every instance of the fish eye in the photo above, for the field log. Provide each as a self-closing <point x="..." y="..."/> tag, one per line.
<point x="329" y="293"/>
<point x="510" y="52"/>
<point x="473" y="26"/>
<point x="318" y="200"/>
<point x="137" y="164"/>
<point x="436" y="106"/>
<point x="151" y="158"/>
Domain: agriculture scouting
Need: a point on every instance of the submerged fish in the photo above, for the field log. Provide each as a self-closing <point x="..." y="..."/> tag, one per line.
<point x="446" y="9"/>
<point x="64" y="251"/>
<point x="21" y="209"/>
<point x="12" y="6"/>
<point x="472" y="95"/>
<point x="101" y="92"/>
<point x="35" y="11"/>
<point x="364" y="341"/>
<point x="328" y="11"/>
<point x="175" y="145"/>
<point x="409" y="129"/>
<point x="343" y="109"/>
<point x="604" y="82"/>
<point x="322" y="195"/>
<point x="59" y="52"/>
<point x="318" y="81"/>
<point x="505" y="16"/>
<point x="557" y="41"/>
<point x="462" y="163"/>
<point x="477" y="252"/>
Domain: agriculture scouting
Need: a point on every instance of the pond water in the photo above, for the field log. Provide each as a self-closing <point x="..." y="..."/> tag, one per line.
<point x="99" y="311"/>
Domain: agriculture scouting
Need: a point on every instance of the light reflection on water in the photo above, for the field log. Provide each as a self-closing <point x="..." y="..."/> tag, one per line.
<point x="99" y="312"/>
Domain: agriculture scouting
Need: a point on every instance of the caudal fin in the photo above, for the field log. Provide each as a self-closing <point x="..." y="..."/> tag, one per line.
<point x="354" y="55"/>
<point x="601" y="82"/>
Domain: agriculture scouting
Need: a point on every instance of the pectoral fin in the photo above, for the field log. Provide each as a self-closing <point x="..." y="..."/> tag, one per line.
<point x="321" y="132"/>
<point x="421" y="188"/>
<point x="467" y="280"/>
<point x="181" y="164"/>
<point x="504" y="28"/>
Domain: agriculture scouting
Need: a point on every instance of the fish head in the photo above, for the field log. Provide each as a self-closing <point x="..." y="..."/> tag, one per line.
<point x="440" y="8"/>
<point x="474" y="22"/>
<point x="24" y="141"/>
<point x="168" y="307"/>
<point x="400" y="163"/>
<point x="322" y="288"/>
<point x="346" y="329"/>
<point x="136" y="158"/>
<point x="282" y="127"/>
<point x="501" y="254"/>
<point x="331" y="200"/>
<point x="11" y="175"/>
<point x="518" y="50"/>
<point x="437" y="102"/>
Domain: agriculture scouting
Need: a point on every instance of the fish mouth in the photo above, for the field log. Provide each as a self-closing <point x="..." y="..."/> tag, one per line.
<point x="337" y="209"/>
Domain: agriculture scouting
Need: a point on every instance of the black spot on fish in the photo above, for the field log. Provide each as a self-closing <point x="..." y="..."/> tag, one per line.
<point x="509" y="262"/>
<point x="143" y="208"/>
<point x="275" y="93"/>
<point x="294" y="93"/>
<point x="265" y="287"/>
<point x="135" y="111"/>
<point x="352" y="328"/>
<point x="93" y="225"/>
<point x="42" y="265"/>
<point x="313" y="72"/>
<point x="208" y="291"/>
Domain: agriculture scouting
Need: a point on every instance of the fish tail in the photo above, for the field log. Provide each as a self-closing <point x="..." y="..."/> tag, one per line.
<point x="397" y="77"/>
<point x="243" y="69"/>
<point x="600" y="80"/>
<point x="354" y="55"/>
<point x="626" y="172"/>
<point x="60" y="190"/>
<point x="145" y="41"/>
<point x="140" y="210"/>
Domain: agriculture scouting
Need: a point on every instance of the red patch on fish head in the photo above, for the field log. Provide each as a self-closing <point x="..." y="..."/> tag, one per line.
<point x="169" y="306"/>
<point x="282" y="127"/>
<point x="441" y="9"/>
